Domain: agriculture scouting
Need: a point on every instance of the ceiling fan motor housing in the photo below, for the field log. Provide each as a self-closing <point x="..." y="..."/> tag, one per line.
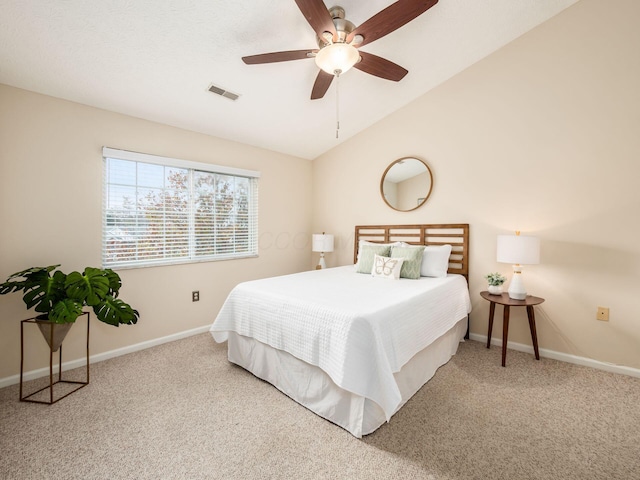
<point x="343" y="27"/>
<point x="336" y="12"/>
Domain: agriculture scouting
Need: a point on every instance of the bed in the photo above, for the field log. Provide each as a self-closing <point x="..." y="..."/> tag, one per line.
<point x="351" y="347"/>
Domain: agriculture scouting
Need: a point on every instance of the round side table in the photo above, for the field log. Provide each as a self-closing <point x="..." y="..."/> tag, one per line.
<point x="504" y="300"/>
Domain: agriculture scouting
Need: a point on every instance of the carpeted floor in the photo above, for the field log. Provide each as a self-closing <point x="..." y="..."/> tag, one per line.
<point x="181" y="411"/>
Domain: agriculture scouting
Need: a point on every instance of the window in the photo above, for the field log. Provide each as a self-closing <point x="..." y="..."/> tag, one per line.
<point x="159" y="211"/>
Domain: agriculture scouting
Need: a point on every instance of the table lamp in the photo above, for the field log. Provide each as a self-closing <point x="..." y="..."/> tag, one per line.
<point x="518" y="250"/>
<point x="322" y="243"/>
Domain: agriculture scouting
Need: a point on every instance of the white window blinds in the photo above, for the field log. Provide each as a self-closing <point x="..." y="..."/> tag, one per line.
<point x="159" y="210"/>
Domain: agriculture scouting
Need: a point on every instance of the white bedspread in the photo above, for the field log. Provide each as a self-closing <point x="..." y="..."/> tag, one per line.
<point x="359" y="329"/>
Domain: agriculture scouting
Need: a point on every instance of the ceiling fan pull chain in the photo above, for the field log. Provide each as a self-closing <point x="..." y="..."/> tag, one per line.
<point x="337" y="102"/>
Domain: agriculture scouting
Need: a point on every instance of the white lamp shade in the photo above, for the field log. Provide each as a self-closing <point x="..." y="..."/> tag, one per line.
<point x="518" y="249"/>
<point x="337" y="56"/>
<point x="322" y="242"/>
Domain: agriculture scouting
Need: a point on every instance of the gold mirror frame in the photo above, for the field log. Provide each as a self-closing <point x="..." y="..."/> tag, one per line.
<point x="420" y="200"/>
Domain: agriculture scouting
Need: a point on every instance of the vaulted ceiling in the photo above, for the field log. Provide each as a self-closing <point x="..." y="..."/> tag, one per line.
<point x="156" y="59"/>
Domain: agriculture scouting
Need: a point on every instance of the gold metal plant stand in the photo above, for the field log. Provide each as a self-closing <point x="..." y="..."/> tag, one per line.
<point x="27" y="398"/>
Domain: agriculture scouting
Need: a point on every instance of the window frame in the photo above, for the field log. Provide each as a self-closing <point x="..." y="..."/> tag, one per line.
<point x="191" y="167"/>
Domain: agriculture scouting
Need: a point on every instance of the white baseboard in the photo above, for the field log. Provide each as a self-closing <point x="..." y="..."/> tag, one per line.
<point x="81" y="362"/>
<point x="563" y="357"/>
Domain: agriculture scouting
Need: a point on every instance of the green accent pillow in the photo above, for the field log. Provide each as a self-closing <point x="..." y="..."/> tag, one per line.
<point x="412" y="260"/>
<point x="367" y="254"/>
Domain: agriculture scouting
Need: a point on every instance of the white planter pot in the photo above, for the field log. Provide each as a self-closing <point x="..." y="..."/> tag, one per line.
<point x="495" y="289"/>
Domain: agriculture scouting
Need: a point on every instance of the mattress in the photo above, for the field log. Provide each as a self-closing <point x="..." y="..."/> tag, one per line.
<point x="359" y="330"/>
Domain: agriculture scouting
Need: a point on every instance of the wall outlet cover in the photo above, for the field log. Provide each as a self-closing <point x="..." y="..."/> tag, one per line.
<point x="603" y="314"/>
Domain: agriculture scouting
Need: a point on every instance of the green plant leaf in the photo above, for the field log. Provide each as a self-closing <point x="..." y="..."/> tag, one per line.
<point x="43" y="291"/>
<point x="89" y="288"/>
<point x="33" y="270"/>
<point x="114" y="312"/>
<point x="65" y="311"/>
<point x="61" y="297"/>
<point x="26" y="279"/>
<point x="114" y="282"/>
<point x="12" y="286"/>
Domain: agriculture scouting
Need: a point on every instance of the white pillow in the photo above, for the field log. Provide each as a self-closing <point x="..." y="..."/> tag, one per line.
<point x="435" y="261"/>
<point x="386" y="267"/>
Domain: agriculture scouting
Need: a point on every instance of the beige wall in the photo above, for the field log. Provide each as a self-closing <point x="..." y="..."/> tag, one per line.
<point x="542" y="136"/>
<point x="50" y="206"/>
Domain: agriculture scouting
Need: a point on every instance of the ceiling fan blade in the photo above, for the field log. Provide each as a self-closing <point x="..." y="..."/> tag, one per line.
<point x="278" y="56"/>
<point x="318" y="16"/>
<point x="380" y="67"/>
<point x="391" y="18"/>
<point x="321" y="85"/>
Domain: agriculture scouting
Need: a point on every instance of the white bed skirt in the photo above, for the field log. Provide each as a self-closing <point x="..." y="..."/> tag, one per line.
<point x="314" y="389"/>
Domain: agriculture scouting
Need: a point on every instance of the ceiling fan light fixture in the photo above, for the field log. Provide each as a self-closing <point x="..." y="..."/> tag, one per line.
<point x="337" y="57"/>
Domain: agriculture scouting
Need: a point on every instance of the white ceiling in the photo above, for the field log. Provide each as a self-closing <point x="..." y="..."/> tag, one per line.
<point x="155" y="60"/>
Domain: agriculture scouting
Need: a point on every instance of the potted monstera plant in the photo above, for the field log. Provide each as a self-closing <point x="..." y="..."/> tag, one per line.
<point x="59" y="298"/>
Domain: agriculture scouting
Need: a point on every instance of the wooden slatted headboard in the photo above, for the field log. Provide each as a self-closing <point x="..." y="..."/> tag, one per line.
<point x="454" y="234"/>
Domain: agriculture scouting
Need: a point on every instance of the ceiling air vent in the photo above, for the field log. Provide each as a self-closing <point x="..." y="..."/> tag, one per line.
<point x="222" y="92"/>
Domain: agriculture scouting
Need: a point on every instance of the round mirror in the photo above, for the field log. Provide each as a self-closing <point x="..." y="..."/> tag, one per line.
<point x="406" y="184"/>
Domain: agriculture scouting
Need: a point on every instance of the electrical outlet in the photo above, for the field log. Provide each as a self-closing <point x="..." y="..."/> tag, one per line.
<point x="195" y="296"/>
<point x="603" y="314"/>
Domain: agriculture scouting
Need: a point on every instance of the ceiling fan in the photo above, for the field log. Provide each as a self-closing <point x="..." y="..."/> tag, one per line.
<point x="339" y="41"/>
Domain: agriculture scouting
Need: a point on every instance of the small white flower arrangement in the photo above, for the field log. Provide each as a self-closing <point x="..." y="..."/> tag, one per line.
<point x="495" y="279"/>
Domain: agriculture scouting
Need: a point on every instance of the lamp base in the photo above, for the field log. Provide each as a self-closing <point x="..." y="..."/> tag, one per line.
<point x="516" y="287"/>
<point x="517" y="296"/>
<point x="321" y="263"/>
